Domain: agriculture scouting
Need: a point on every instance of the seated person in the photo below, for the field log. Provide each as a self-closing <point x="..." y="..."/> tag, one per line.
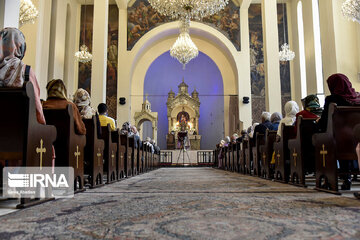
<point x="291" y="109"/>
<point x="312" y="107"/>
<point x="265" y="124"/>
<point x="82" y="101"/>
<point x="12" y="68"/>
<point x="104" y="118"/>
<point x="343" y="94"/>
<point x="56" y="99"/>
<point x="234" y="137"/>
<point x="242" y="137"/>
<point x="275" y="121"/>
<point x="126" y="129"/>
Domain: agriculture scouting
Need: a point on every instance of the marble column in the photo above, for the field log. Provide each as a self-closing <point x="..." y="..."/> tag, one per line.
<point x="271" y="55"/>
<point x="99" y="52"/>
<point x="9" y="13"/>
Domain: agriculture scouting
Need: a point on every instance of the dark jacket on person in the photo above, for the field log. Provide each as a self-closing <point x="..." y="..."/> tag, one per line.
<point x="261" y="128"/>
<point x="340" y="101"/>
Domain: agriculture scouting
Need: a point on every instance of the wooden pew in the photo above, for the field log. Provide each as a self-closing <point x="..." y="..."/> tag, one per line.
<point x="242" y="158"/>
<point x="226" y="158"/>
<point x="140" y="156"/>
<point x="69" y="146"/>
<point x="133" y="158"/>
<point x="259" y="141"/>
<point x="94" y="154"/>
<point x="249" y="156"/>
<point x="282" y="154"/>
<point x="230" y="154"/>
<point x="110" y="150"/>
<point x="337" y="143"/>
<point x="23" y="141"/>
<point x="223" y="158"/>
<point x="127" y="156"/>
<point x="237" y="154"/>
<point x="120" y="154"/>
<point x="302" y="152"/>
<point x="266" y="152"/>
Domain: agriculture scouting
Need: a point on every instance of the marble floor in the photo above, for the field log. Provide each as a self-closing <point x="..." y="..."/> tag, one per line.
<point x="189" y="203"/>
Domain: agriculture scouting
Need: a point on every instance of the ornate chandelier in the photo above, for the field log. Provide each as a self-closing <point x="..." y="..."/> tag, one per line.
<point x="184" y="49"/>
<point x="285" y="54"/>
<point x="351" y="10"/>
<point x="84" y="55"/>
<point x="194" y="9"/>
<point x="28" y="12"/>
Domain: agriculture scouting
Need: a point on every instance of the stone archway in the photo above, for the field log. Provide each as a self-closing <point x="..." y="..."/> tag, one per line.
<point x="147" y="115"/>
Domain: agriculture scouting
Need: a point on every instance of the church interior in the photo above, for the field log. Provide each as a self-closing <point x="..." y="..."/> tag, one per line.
<point x="180" y="119"/>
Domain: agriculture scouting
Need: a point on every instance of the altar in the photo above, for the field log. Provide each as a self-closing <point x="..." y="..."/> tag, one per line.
<point x="183" y="116"/>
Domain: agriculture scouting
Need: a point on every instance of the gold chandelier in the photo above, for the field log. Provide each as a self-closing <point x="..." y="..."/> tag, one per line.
<point x="83" y="55"/>
<point x="28" y="12"/>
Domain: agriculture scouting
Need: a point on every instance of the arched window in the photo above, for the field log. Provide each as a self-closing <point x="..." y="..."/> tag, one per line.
<point x="318" y="53"/>
<point x="301" y="50"/>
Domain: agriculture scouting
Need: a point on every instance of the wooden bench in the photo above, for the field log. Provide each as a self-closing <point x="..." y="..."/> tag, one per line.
<point x="69" y="146"/>
<point x="259" y="141"/>
<point x="23" y="141"/>
<point x="266" y="152"/>
<point x="248" y="156"/>
<point x="282" y="154"/>
<point x="120" y="154"/>
<point x="242" y="157"/>
<point x="127" y="156"/>
<point x="302" y="152"/>
<point x="110" y="165"/>
<point x="337" y="143"/>
<point x="230" y="153"/>
<point x="237" y="154"/>
<point x="94" y="154"/>
<point x="134" y="156"/>
<point x="140" y="157"/>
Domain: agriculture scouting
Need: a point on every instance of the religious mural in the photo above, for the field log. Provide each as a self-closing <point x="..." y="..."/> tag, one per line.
<point x="257" y="59"/>
<point x="86" y="33"/>
<point x="112" y="62"/>
<point x="86" y="36"/>
<point x="142" y="18"/>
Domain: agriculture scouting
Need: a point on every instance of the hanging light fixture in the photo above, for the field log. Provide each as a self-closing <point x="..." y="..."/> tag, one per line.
<point x="195" y="9"/>
<point x="83" y="55"/>
<point x="184" y="49"/>
<point x="351" y="10"/>
<point x="285" y="54"/>
<point x="28" y="12"/>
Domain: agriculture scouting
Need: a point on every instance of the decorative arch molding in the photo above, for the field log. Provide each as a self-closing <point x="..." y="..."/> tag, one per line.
<point x="147" y="115"/>
<point x="209" y="41"/>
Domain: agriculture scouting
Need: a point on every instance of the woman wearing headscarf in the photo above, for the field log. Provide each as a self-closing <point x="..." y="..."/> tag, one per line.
<point x="82" y="101"/>
<point x="343" y="94"/>
<point x="275" y="120"/>
<point x="56" y="99"/>
<point x="291" y="109"/>
<point x="312" y="107"/>
<point x="12" y="68"/>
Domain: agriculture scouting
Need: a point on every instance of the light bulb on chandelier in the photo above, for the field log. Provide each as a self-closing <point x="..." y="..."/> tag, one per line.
<point x="83" y="55"/>
<point x="184" y="49"/>
<point x="285" y="54"/>
<point x="194" y="9"/>
<point x="351" y="10"/>
<point x="28" y="12"/>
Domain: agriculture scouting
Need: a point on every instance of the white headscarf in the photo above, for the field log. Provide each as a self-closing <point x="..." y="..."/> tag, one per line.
<point x="291" y="109"/>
